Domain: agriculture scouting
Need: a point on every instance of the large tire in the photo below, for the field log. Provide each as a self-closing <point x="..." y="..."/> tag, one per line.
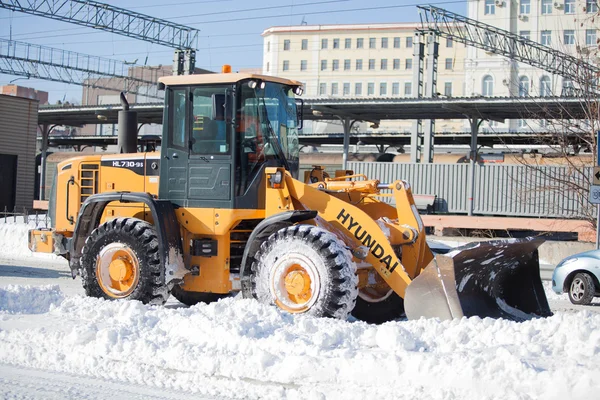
<point x="305" y="269"/>
<point x="582" y="289"/>
<point x="120" y="260"/>
<point x="193" y="298"/>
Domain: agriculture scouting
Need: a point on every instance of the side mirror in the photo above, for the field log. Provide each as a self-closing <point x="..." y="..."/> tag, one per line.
<point x="218" y="107"/>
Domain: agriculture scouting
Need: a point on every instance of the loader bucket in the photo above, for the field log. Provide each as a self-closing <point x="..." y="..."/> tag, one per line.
<point x="497" y="279"/>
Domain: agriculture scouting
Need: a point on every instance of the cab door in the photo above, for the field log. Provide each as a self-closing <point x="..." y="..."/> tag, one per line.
<point x="175" y="147"/>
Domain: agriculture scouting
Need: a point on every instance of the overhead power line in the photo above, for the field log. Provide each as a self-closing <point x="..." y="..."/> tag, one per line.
<point x="111" y="19"/>
<point x="33" y="61"/>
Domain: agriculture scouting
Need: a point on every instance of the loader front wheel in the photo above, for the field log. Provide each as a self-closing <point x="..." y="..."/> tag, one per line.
<point x="305" y="269"/>
<point x="192" y="298"/>
<point x="582" y="289"/>
<point x="120" y="260"/>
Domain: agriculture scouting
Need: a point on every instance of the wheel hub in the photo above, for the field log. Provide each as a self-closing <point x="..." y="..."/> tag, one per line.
<point x="294" y="283"/>
<point x="577" y="289"/>
<point x="117" y="270"/>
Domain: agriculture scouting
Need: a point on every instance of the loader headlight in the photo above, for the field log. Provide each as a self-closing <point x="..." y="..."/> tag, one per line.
<point x="276" y="179"/>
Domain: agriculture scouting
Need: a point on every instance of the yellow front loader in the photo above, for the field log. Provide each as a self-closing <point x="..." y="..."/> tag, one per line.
<point x="221" y="209"/>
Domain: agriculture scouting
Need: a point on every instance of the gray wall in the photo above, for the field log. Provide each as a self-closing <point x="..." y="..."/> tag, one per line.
<point x="18" y="129"/>
<point x="510" y="190"/>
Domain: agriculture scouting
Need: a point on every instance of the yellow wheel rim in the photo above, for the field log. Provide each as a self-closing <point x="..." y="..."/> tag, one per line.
<point x="117" y="270"/>
<point x="294" y="283"/>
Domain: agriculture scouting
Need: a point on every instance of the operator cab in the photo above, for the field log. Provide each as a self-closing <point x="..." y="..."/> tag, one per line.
<point x="220" y="131"/>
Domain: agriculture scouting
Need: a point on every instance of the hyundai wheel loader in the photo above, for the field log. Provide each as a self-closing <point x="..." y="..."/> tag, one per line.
<point x="221" y="209"/>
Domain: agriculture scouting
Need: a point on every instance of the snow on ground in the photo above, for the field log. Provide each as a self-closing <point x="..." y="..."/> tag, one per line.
<point x="55" y="343"/>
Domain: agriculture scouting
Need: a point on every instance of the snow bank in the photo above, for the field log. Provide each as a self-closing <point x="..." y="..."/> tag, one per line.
<point x="242" y="349"/>
<point x="29" y="300"/>
<point x="14" y="240"/>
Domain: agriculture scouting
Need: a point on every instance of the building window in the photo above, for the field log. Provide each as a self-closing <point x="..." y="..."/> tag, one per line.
<point x="346" y="89"/>
<point x="568" y="89"/>
<point x="395" y="89"/>
<point x="407" y="88"/>
<point x="358" y="89"/>
<point x="523" y="86"/>
<point x="323" y="43"/>
<point x="359" y="65"/>
<point x="370" y="89"/>
<point x="323" y="65"/>
<point x="336" y="43"/>
<point x="569" y="6"/>
<point x="448" y="89"/>
<point x="335" y="65"/>
<point x="334" y="89"/>
<point x="347" y="43"/>
<point x="487" y="86"/>
<point x="383" y="89"/>
<point x="547" y="6"/>
<point x="322" y="89"/>
<point x="384" y="43"/>
<point x="304" y="44"/>
<point x="396" y="42"/>
<point x="372" y="42"/>
<point x="569" y="36"/>
<point x="286" y="65"/>
<point x="545" y="89"/>
<point x="546" y="38"/>
<point x="346" y="65"/>
<point x="396" y="63"/>
<point x="303" y="64"/>
<point x="525" y="34"/>
<point x="490" y="7"/>
<point x="286" y="45"/>
<point x="449" y="63"/>
<point x="371" y="64"/>
<point x="525" y="7"/>
<point x="268" y="67"/>
<point x="360" y="43"/>
<point x="383" y="64"/>
<point x="409" y="63"/>
<point x="590" y="37"/>
<point x="409" y="41"/>
<point x="449" y="42"/>
<point x="591" y="6"/>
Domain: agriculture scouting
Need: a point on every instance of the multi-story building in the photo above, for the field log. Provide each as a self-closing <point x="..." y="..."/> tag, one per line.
<point x="566" y="25"/>
<point x="357" y="61"/>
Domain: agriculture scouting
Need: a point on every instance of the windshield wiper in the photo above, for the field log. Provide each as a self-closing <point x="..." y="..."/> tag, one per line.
<point x="278" y="147"/>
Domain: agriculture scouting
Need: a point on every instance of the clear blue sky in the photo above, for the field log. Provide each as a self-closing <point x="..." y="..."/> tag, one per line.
<point x="229" y="30"/>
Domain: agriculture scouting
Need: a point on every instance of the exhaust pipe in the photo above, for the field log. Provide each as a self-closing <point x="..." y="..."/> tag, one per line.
<point x="127" y="139"/>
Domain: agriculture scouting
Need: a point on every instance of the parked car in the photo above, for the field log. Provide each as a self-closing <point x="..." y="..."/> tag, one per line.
<point x="579" y="276"/>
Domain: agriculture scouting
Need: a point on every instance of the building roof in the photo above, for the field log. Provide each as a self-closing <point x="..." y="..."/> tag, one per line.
<point x="411" y="26"/>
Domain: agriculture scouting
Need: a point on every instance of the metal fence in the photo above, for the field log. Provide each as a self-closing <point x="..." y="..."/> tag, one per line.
<point x="503" y="190"/>
<point x="25" y="216"/>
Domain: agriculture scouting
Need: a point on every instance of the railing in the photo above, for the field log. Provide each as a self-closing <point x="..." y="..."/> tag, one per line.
<point x="30" y="217"/>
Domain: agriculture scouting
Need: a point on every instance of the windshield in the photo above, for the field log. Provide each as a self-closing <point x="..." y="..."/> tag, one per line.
<point x="269" y="126"/>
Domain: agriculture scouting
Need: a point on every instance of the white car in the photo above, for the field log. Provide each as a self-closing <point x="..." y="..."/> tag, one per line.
<point x="579" y="276"/>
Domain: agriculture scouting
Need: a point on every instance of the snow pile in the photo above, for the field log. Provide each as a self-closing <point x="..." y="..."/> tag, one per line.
<point x="242" y="349"/>
<point x="29" y="300"/>
<point x="14" y="239"/>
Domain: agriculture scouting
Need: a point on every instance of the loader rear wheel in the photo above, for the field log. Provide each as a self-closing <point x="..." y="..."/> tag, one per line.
<point x="120" y="260"/>
<point x="377" y="302"/>
<point x="193" y="298"/>
<point x="305" y="269"/>
<point x="582" y="289"/>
